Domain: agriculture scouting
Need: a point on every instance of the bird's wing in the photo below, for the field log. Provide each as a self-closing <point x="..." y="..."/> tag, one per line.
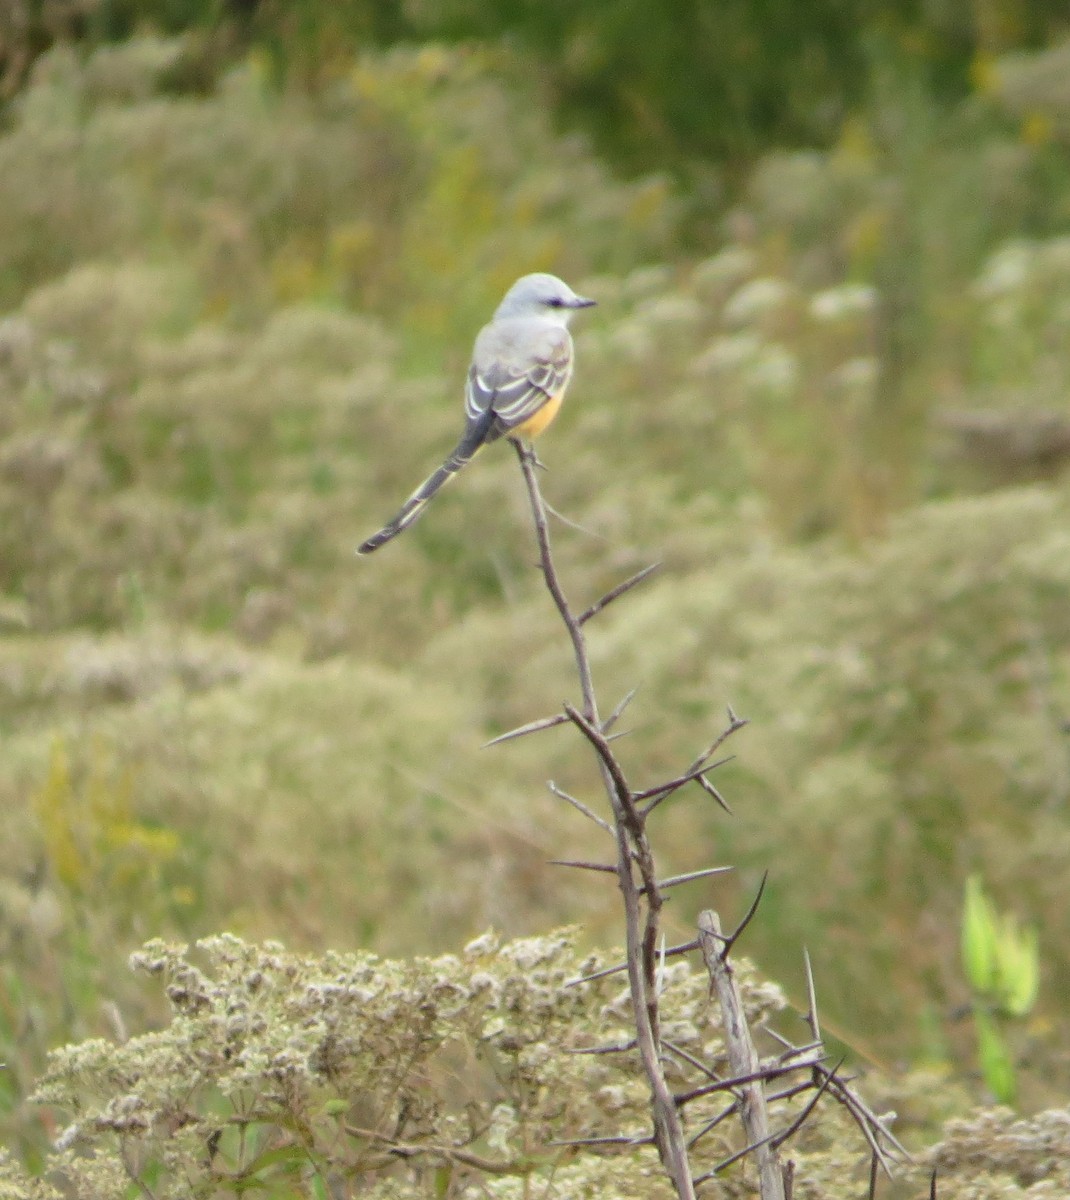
<point x="514" y="381"/>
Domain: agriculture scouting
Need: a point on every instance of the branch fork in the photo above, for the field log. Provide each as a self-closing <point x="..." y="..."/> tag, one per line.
<point x="642" y="894"/>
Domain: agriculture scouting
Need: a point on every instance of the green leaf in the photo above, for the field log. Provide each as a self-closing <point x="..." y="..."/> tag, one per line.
<point x="1019" y="970"/>
<point x="997" y="1067"/>
<point x="443" y="1175"/>
<point x="979" y="940"/>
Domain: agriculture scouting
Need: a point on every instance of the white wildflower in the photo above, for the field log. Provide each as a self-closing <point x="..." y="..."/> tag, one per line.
<point x="503" y="1128"/>
<point x="644" y="281"/>
<point x="728" y="268"/>
<point x="633" y="340"/>
<point x="666" y="312"/>
<point x="481" y="946"/>
<point x="856" y="374"/>
<point x="840" y="303"/>
<point x="775" y="371"/>
<point x="1008" y="270"/>
<point x="756" y="299"/>
<point x="727" y="354"/>
<point x="612" y="1097"/>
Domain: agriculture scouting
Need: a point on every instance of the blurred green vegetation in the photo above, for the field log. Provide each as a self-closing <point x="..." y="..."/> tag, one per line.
<point x="833" y="400"/>
<point x="654" y="84"/>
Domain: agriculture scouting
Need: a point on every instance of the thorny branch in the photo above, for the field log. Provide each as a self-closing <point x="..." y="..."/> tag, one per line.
<point x="742" y="1056"/>
<point x="633" y="855"/>
<point x="642" y="895"/>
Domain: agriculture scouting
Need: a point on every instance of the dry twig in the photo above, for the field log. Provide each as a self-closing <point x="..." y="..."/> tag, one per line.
<point x="742" y="1056"/>
<point x="634" y="855"/>
<point x="642" y="893"/>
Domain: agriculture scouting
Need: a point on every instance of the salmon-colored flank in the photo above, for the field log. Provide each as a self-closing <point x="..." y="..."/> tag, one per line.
<point x="536" y="423"/>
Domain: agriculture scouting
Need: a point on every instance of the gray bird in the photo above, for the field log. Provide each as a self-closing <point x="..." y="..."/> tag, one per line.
<point x="521" y="367"/>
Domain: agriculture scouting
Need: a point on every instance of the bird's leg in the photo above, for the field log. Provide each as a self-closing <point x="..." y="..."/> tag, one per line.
<point x="528" y="450"/>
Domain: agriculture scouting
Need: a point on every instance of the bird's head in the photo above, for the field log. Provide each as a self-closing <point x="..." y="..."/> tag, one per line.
<point x="542" y="295"/>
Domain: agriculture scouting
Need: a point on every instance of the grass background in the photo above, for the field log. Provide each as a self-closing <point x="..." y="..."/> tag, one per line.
<point x="829" y="392"/>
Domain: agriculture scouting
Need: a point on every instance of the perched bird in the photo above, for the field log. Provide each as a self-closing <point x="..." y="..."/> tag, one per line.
<point x="521" y="366"/>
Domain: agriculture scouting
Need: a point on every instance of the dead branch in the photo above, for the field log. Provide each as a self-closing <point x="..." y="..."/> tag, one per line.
<point x="643" y="895"/>
<point x="579" y="806"/>
<point x="523" y="730"/>
<point x="605" y="868"/>
<point x="742" y="1056"/>
<point x="452" y="1154"/>
<point x="633" y="853"/>
<point x="616" y="593"/>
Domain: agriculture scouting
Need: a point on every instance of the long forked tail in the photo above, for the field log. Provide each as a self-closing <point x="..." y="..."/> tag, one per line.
<point x="466" y="450"/>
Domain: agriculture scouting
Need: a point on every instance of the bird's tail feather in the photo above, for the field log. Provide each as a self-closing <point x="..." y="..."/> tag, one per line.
<point x="413" y="508"/>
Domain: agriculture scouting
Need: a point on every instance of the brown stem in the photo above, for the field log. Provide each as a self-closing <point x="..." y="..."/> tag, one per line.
<point x="633" y="852"/>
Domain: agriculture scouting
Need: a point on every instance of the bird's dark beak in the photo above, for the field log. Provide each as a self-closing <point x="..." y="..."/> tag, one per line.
<point x="583" y="302"/>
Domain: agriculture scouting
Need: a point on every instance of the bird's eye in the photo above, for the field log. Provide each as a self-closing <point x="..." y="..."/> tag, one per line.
<point x="555" y="303"/>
